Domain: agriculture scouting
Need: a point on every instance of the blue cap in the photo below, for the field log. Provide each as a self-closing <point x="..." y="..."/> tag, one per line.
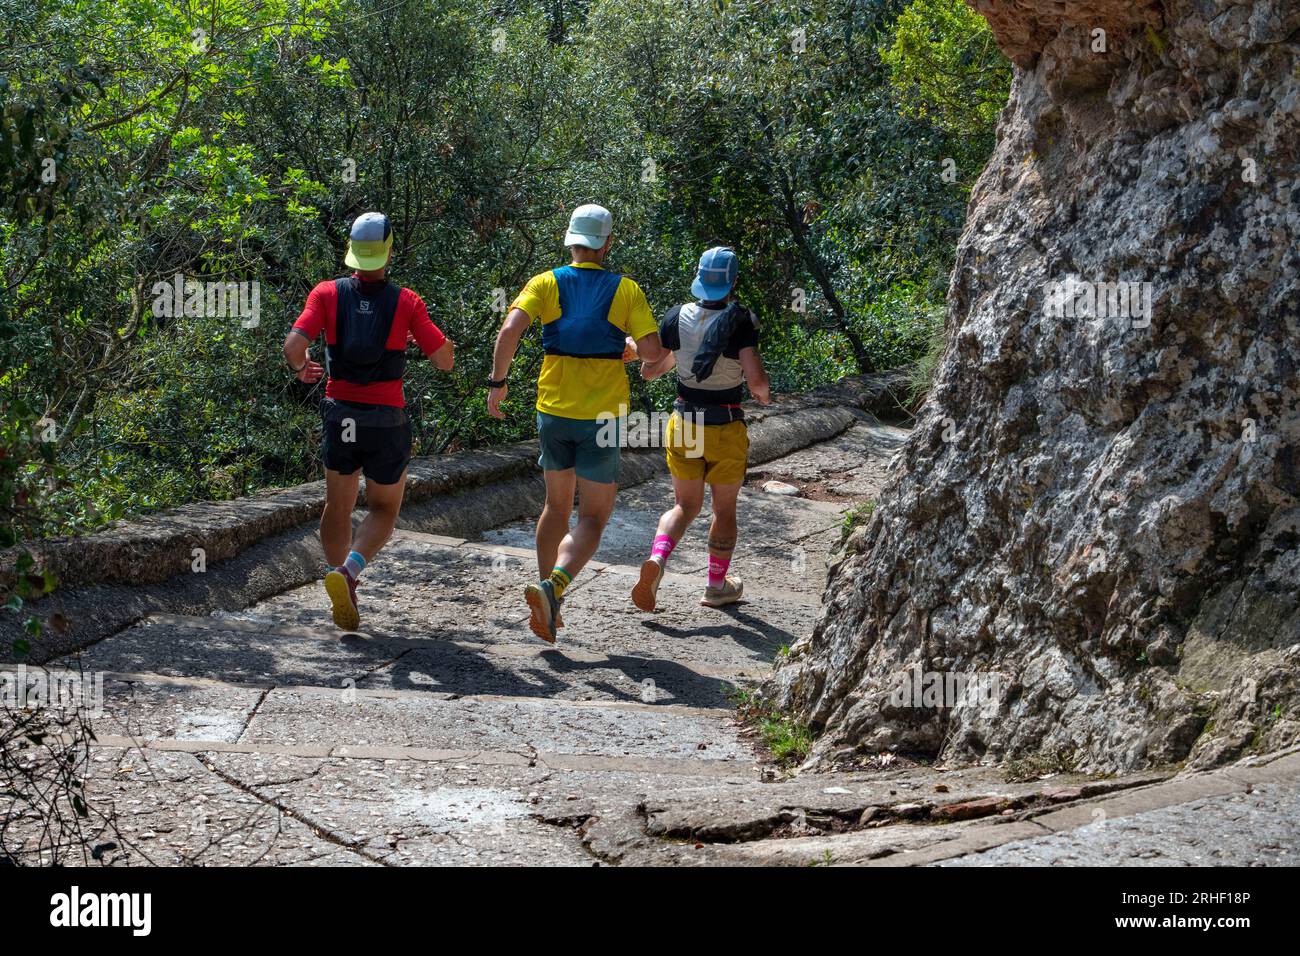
<point x="717" y="274"/>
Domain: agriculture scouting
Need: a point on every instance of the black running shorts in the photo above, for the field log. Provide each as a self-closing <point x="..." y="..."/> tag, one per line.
<point x="374" y="438"/>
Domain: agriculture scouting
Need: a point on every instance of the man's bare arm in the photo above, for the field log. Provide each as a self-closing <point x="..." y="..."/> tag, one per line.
<point x="444" y="358"/>
<point x="295" y="353"/>
<point x="652" y="370"/>
<point x="756" y="376"/>
<point x="649" y="348"/>
<point x="512" y="330"/>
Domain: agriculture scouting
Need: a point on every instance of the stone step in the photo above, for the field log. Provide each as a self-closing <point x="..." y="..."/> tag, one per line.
<point x="333" y="717"/>
<point x="322" y="720"/>
<point x="734" y="772"/>
<point x="250" y="652"/>
<point x="386" y="808"/>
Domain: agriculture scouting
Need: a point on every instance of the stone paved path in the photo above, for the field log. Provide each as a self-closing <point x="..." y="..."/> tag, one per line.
<point x="1260" y="827"/>
<point x="445" y="733"/>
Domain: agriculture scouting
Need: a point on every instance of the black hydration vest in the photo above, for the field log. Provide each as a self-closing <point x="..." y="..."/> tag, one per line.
<point x="362" y="323"/>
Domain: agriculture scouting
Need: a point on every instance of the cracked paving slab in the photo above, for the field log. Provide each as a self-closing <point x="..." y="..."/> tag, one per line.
<point x="176" y="711"/>
<point x="410" y="812"/>
<point x="235" y="653"/>
<point x="336" y="718"/>
<point x="1260" y="827"/>
<point x="170" y="810"/>
<point x="565" y="673"/>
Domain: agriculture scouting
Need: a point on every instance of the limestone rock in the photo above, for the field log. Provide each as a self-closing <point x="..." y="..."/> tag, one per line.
<point x="1107" y="553"/>
<point x="780" y="488"/>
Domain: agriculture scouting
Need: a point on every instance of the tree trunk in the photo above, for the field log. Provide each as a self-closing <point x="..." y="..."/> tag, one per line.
<point x="793" y="215"/>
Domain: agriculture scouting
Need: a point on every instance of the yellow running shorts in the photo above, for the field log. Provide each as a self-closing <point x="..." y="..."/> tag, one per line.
<point x="717" y="454"/>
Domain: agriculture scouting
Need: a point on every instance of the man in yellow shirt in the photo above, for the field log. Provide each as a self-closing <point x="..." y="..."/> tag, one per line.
<point x="586" y="314"/>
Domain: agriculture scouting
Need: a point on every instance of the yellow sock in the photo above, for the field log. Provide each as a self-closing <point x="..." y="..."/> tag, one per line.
<point x="560" y="580"/>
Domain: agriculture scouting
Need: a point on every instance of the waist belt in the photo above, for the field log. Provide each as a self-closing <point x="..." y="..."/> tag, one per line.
<point x="710" y="414"/>
<point x="591" y="355"/>
<point x="335" y="411"/>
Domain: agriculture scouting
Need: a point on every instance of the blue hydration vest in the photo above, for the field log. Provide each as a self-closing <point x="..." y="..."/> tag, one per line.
<point x="583" y="329"/>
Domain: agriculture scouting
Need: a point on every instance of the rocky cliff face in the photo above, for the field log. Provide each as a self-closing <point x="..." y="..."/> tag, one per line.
<point x="1090" y="549"/>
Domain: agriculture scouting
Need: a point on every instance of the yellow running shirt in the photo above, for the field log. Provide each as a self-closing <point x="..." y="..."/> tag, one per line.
<point x="582" y="388"/>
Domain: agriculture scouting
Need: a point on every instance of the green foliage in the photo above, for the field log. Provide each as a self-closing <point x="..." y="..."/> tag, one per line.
<point x="29" y="470"/>
<point x="946" y="67"/>
<point x="859" y="514"/>
<point x="923" y="370"/>
<point x="236" y="142"/>
<point x="786" y="739"/>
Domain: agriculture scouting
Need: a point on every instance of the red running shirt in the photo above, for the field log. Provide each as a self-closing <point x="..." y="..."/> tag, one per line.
<point x="319" y="315"/>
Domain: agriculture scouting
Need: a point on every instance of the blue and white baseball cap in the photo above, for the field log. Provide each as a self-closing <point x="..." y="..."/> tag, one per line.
<point x="589" y="226"/>
<point x="370" y="243"/>
<point x="717" y="274"/>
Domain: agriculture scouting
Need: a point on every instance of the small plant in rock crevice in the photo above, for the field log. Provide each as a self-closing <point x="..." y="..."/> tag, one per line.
<point x="788" y="741"/>
<point x="855" y="517"/>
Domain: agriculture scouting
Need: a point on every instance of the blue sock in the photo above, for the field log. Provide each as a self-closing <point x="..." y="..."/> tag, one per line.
<point x="354" y="565"/>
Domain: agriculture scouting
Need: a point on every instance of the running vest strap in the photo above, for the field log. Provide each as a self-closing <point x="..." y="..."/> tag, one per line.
<point x="583" y="329"/>
<point x="710" y="413"/>
<point x="364" y="319"/>
<point x="715" y="340"/>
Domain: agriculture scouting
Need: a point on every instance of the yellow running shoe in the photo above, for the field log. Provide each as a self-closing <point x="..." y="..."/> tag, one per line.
<point x="545" y="610"/>
<point x="342" y="590"/>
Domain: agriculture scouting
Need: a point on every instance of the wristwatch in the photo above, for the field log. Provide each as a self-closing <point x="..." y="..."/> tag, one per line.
<point x="496" y="383"/>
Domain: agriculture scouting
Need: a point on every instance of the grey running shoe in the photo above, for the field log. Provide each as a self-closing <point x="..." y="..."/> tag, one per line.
<point x="729" y="593"/>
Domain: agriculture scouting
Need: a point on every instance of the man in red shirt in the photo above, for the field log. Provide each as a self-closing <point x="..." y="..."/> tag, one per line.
<point x="367" y="322"/>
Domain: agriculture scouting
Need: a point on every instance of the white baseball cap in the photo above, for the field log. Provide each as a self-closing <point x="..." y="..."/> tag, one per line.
<point x="589" y="226"/>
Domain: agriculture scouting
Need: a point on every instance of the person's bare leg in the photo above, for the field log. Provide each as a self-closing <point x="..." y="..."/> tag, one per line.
<point x="383" y="504"/>
<point x="553" y="524"/>
<point x="722" y="529"/>
<point x="595" y="505"/>
<point x="338" y="541"/>
<point x="336" y="517"/>
<point x="722" y="533"/>
<point x="689" y="495"/>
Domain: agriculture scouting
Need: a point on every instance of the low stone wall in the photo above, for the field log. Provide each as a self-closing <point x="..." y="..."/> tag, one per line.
<point x="263" y="544"/>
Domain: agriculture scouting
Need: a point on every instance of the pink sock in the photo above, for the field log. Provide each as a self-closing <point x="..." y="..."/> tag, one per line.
<point x="718" y="571"/>
<point x="662" y="548"/>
